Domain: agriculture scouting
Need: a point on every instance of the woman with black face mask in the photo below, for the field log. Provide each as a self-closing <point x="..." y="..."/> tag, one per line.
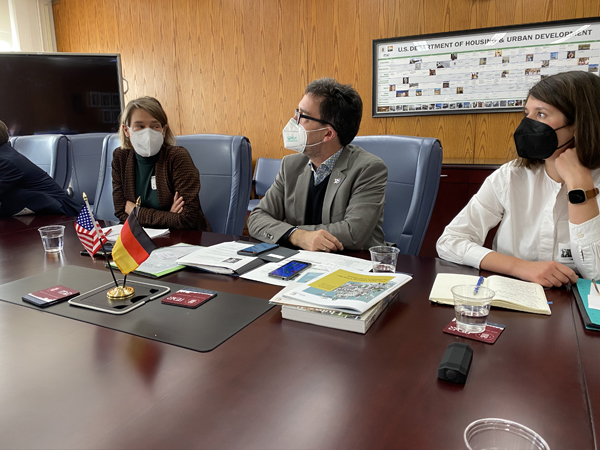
<point x="546" y="202"/>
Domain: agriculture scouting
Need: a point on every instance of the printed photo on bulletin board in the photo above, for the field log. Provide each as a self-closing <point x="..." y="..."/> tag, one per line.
<point x="477" y="71"/>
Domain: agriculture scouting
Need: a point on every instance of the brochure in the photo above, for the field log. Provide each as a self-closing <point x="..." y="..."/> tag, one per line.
<point x="348" y="291"/>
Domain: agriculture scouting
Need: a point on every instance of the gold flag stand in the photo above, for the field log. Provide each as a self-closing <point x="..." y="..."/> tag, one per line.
<point x="120" y="292"/>
<point x="123" y="292"/>
<point x="118" y="299"/>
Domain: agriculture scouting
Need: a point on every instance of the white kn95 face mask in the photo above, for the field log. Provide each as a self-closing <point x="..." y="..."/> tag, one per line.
<point x="146" y="142"/>
<point x="294" y="136"/>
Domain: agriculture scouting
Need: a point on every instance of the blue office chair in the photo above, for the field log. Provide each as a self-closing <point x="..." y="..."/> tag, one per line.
<point x="414" y="168"/>
<point x="264" y="176"/>
<point x="87" y="156"/>
<point x="225" y="166"/>
<point x="104" y="209"/>
<point x="50" y="152"/>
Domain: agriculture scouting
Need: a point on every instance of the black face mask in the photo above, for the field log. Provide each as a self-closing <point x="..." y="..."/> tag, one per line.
<point x="536" y="140"/>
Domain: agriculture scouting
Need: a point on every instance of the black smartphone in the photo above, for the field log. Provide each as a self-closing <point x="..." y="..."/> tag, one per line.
<point x="289" y="270"/>
<point x="257" y="249"/>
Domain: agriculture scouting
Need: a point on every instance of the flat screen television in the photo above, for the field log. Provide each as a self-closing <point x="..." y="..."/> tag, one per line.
<point x="65" y="93"/>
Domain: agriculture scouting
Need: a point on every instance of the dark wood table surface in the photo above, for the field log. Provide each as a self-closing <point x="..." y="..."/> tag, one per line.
<point x="20" y="223"/>
<point x="280" y="384"/>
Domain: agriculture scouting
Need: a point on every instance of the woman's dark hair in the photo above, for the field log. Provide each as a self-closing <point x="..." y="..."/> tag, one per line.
<point x="577" y="95"/>
<point x="341" y="106"/>
<point x="3" y="133"/>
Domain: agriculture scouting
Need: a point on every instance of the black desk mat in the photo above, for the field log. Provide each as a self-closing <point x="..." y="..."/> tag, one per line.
<point x="201" y="329"/>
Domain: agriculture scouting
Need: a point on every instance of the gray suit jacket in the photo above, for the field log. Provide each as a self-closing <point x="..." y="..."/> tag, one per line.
<point x="353" y="206"/>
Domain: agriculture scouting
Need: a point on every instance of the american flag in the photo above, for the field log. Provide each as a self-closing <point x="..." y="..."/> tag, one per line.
<point x="87" y="233"/>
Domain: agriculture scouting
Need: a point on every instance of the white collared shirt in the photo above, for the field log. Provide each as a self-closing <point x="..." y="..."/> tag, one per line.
<point x="532" y="210"/>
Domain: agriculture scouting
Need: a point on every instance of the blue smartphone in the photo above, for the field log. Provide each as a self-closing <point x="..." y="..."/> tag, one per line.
<point x="257" y="249"/>
<point x="289" y="270"/>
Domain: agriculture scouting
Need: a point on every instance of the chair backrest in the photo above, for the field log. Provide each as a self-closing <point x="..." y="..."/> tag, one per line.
<point x="264" y="174"/>
<point x="104" y="208"/>
<point x="225" y="166"/>
<point x="12" y="140"/>
<point x="265" y="171"/>
<point x="50" y="152"/>
<point x="87" y="155"/>
<point x="414" y="168"/>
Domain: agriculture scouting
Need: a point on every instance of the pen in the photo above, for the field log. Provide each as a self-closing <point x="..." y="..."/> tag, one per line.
<point x="595" y="285"/>
<point x="479" y="282"/>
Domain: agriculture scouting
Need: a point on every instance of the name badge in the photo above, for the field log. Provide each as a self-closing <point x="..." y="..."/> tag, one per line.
<point x="153" y="183"/>
<point x="564" y="253"/>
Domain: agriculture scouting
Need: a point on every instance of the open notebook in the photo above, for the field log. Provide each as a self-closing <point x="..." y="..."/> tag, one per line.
<point x="510" y="293"/>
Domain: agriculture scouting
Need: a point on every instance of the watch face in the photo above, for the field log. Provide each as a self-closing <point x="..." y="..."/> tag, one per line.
<point x="577" y="196"/>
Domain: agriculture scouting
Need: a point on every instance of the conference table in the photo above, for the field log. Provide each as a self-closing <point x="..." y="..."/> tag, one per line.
<point x="279" y="384"/>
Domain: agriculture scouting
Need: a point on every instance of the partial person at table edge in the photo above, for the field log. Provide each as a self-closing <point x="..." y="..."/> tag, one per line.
<point x="330" y="195"/>
<point x="25" y="188"/>
<point x="546" y="202"/>
<point x="149" y="165"/>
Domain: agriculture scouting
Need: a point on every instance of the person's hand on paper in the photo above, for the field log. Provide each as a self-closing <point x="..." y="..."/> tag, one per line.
<point x="315" y="241"/>
<point x="177" y="206"/>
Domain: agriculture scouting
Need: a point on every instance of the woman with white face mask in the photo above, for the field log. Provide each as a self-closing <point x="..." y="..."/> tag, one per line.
<point x="149" y="166"/>
<point x="546" y="202"/>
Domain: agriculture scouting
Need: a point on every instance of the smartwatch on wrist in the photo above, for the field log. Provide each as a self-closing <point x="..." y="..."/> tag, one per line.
<point x="578" y="196"/>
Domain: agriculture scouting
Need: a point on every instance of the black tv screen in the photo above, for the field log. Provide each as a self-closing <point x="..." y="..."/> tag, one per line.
<point x="65" y="93"/>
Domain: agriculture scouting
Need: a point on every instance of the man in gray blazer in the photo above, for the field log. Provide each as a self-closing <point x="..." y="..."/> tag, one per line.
<point x="330" y="195"/>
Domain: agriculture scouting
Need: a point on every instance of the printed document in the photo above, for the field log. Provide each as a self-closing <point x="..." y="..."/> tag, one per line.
<point x="220" y="258"/>
<point x="321" y="263"/>
<point x="112" y="233"/>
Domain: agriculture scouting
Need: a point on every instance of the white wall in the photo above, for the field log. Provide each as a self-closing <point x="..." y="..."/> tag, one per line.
<point x="6" y="40"/>
<point x="32" y="25"/>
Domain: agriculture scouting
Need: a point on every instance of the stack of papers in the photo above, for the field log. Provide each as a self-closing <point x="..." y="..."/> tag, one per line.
<point x="594" y="299"/>
<point x="112" y="233"/>
<point x="344" y="290"/>
<point x="341" y="319"/>
<point x="321" y="263"/>
<point x="221" y="258"/>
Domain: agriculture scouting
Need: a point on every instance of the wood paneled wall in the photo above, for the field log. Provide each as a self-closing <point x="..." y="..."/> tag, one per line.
<point x="241" y="66"/>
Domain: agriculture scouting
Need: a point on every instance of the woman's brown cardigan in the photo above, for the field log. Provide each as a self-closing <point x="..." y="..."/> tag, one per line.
<point x="175" y="172"/>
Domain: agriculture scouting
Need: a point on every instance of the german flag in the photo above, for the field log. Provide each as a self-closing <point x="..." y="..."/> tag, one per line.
<point x="133" y="245"/>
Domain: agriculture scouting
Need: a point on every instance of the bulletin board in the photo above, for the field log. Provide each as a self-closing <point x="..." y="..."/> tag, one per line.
<point x="486" y="70"/>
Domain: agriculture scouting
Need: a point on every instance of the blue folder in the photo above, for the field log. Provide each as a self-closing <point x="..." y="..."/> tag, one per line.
<point x="591" y="317"/>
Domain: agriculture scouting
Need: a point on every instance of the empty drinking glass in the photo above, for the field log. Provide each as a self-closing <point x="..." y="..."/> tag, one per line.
<point x="501" y="434"/>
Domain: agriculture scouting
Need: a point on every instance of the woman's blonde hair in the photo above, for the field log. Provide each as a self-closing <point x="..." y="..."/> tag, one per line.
<point x="152" y="107"/>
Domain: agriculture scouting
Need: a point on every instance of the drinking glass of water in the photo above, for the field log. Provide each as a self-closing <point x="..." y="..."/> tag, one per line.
<point x="384" y="258"/>
<point x="501" y="434"/>
<point x="52" y="237"/>
<point x="471" y="307"/>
